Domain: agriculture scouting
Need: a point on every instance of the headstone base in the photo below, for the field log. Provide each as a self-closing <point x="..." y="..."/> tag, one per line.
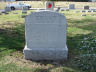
<point x="45" y="53"/>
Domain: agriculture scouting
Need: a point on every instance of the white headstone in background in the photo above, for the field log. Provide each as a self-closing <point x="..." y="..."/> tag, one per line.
<point x="71" y="6"/>
<point x="7" y="9"/>
<point x="46" y="36"/>
<point x="49" y="6"/>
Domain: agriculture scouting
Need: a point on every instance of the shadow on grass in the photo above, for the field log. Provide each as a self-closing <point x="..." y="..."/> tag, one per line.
<point x="12" y="37"/>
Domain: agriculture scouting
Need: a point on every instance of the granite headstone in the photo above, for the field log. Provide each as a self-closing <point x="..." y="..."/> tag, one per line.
<point x="49" y="6"/>
<point x="45" y="33"/>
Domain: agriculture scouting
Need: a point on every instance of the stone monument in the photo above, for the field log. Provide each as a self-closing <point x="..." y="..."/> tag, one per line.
<point x="49" y="6"/>
<point x="45" y="33"/>
<point x="86" y="7"/>
<point x="25" y="8"/>
<point x="7" y="9"/>
<point x="24" y="12"/>
<point x="71" y="6"/>
<point x="58" y="8"/>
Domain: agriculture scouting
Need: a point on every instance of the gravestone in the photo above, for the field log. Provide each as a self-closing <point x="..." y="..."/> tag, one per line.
<point x="24" y="12"/>
<point x="86" y="7"/>
<point x="66" y="9"/>
<point x="49" y="6"/>
<point x="71" y="6"/>
<point x="6" y="13"/>
<point x="3" y="11"/>
<point x="82" y="11"/>
<point x="93" y="11"/>
<point x="45" y="33"/>
<point x="62" y="10"/>
<point x="88" y="11"/>
<point x="7" y="9"/>
<point x="25" y="8"/>
<point x="58" y="8"/>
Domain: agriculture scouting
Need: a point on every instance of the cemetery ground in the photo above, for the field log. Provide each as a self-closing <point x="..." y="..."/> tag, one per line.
<point x="81" y="42"/>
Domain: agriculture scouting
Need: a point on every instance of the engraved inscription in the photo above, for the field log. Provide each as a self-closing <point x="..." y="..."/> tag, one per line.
<point x="46" y="19"/>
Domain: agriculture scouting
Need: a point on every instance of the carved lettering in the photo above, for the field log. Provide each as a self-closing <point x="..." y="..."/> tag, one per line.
<point x="45" y="19"/>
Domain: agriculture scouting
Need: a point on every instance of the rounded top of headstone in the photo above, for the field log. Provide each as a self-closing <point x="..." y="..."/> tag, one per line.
<point x="43" y="12"/>
<point x="46" y="16"/>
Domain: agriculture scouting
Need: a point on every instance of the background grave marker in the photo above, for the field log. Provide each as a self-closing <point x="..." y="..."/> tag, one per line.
<point x="49" y="6"/>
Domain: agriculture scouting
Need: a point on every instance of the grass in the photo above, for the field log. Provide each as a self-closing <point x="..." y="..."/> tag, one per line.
<point x="81" y="42"/>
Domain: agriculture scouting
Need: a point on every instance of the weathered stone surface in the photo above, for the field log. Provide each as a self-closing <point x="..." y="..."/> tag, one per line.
<point x="46" y="54"/>
<point x="86" y="7"/>
<point x="71" y="6"/>
<point x="46" y="36"/>
<point x="49" y="6"/>
<point x="7" y="9"/>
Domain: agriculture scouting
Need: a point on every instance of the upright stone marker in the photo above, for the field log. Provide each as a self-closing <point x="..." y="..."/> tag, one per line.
<point x="86" y="7"/>
<point x="46" y="36"/>
<point x="58" y="8"/>
<point x="71" y="6"/>
<point x="0" y="13"/>
<point x="7" y="9"/>
<point x="93" y="11"/>
<point x="24" y="12"/>
<point x="62" y="10"/>
<point x="49" y="6"/>
<point x="25" y="8"/>
<point x="66" y="9"/>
